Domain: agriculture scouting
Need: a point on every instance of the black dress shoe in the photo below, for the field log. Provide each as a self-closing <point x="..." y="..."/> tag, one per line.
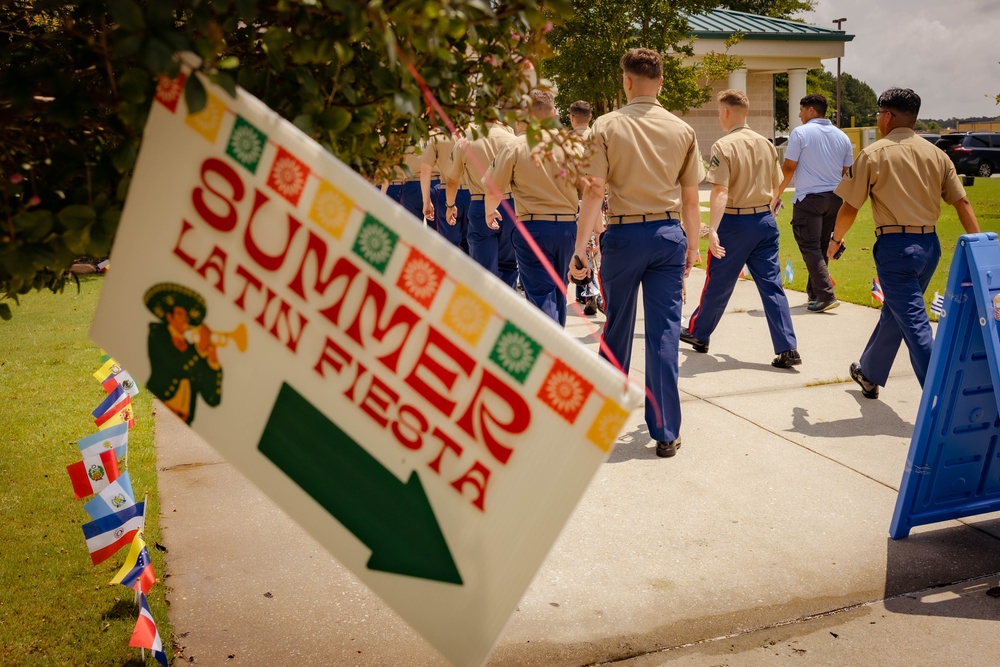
<point x="787" y="359"/>
<point x="698" y="345"/>
<point x="590" y="308"/>
<point x="868" y="388"/>
<point x="667" y="449"/>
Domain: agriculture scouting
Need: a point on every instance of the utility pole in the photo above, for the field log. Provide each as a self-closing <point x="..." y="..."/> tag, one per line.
<point x="839" y="124"/>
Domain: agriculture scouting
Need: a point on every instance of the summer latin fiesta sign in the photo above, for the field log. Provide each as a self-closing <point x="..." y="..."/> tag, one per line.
<point x="416" y="416"/>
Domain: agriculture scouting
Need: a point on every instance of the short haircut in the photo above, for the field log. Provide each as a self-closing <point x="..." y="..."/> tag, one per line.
<point x="815" y="101"/>
<point x="901" y="100"/>
<point x="645" y="63"/>
<point x="734" y="98"/>
<point x="542" y="101"/>
<point x="580" y="108"/>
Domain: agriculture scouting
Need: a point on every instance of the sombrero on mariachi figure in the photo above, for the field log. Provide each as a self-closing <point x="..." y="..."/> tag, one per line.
<point x="162" y="298"/>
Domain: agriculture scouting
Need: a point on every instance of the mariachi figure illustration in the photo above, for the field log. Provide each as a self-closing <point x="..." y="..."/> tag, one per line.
<point x="183" y="355"/>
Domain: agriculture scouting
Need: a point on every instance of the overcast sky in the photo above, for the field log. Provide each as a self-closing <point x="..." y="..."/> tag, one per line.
<point x="948" y="52"/>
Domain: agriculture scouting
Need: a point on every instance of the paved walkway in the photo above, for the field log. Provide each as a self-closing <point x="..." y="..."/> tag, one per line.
<point x="763" y="542"/>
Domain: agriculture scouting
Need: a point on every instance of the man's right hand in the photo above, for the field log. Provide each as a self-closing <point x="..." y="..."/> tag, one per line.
<point x="452" y="215"/>
<point x="776" y="206"/>
<point x="429" y="211"/>
<point x="581" y="272"/>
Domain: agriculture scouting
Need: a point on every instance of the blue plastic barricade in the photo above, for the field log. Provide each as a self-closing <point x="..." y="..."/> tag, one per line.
<point x="953" y="466"/>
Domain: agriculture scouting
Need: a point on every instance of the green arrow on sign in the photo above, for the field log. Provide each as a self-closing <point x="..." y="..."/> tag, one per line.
<point x="394" y="519"/>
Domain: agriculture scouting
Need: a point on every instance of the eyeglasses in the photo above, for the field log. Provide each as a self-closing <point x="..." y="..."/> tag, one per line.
<point x="882" y="113"/>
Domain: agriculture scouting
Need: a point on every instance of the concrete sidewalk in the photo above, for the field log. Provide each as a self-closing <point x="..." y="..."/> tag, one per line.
<point x="763" y="542"/>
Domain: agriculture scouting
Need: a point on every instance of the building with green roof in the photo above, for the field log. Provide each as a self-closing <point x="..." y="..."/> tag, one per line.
<point x="769" y="46"/>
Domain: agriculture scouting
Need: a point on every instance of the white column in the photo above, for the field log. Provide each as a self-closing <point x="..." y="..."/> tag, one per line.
<point x="738" y="79"/>
<point x="796" y="91"/>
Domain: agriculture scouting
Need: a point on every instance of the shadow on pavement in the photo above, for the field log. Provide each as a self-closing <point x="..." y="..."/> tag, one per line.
<point x="695" y="363"/>
<point x="876" y="418"/>
<point x="632" y="446"/>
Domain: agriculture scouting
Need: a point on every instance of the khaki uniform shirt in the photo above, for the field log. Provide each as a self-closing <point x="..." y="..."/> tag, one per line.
<point x="537" y="188"/>
<point x="584" y="131"/>
<point x="437" y="151"/>
<point x="905" y="179"/>
<point x="412" y="160"/>
<point x="747" y="164"/>
<point x="646" y="154"/>
<point x="470" y="158"/>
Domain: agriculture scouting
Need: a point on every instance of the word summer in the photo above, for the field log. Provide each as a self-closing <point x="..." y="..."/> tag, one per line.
<point x="391" y="364"/>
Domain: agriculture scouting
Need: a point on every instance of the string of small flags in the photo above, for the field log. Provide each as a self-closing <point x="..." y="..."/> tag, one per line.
<point x="117" y="520"/>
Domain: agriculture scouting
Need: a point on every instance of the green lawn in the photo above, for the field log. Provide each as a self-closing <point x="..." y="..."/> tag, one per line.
<point x="854" y="271"/>
<point x="55" y="607"/>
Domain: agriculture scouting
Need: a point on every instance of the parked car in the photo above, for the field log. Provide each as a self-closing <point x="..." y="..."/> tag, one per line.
<point x="974" y="153"/>
<point x="933" y="138"/>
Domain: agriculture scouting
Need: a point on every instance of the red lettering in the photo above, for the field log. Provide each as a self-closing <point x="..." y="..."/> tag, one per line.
<point x="249" y="279"/>
<point x="479" y="413"/>
<point x="265" y="261"/>
<point x="293" y="336"/>
<point x="401" y="316"/>
<point x="216" y="262"/>
<point x="225" y="222"/>
<point x="316" y="247"/>
<point x="379" y="396"/>
<point x="415" y="431"/>
<point x="270" y="297"/>
<point x="446" y="444"/>
<point x="186" y="258"/>
<point x="478" y="476"/>
<point x="350" y="390"/>
<point x="326" y="360"/>
<point x="440" y="375"/>
<point x="341" y="269"/>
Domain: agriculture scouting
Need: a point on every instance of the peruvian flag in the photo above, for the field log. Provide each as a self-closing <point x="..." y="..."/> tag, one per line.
<point x="94" y="473"/>
<point x="146" y="635"/>
<point x="105" y="536"/>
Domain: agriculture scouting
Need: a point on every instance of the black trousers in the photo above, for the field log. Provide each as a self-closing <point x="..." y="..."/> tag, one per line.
<point x="813" y="220"/>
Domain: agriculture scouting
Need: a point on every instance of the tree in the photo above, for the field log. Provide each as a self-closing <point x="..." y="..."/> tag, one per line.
<point x="857" y="99"/>
<point x="858" y="102"/>
<point x="817" y="81"/>
<point x="589" y="45"/>
<point x="77" y="80"/>
<point x="780" y="9"/>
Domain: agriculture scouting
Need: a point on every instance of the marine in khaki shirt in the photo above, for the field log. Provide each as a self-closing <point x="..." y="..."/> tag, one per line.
<point x="745" y="174"/>
<point x="646" y="156"/>
<point x="539" y="184"/>
<point x="470" y="158"/>
<point x="545" y="201"/>
<point x="648" y="159"/>
<point x="747" y="164"/>
<point x="433" y="162"/>
<point x="906" y="178"/>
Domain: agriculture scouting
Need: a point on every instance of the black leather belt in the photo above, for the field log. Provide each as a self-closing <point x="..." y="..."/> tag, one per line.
<point x="666" y="216"/>
<point x="904" y="229"/>
<point x="549" y="217"/>
<point x="748" y="210"/>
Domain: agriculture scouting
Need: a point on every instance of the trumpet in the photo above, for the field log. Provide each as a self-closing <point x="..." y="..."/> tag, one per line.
<point x="237" y="335"/>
